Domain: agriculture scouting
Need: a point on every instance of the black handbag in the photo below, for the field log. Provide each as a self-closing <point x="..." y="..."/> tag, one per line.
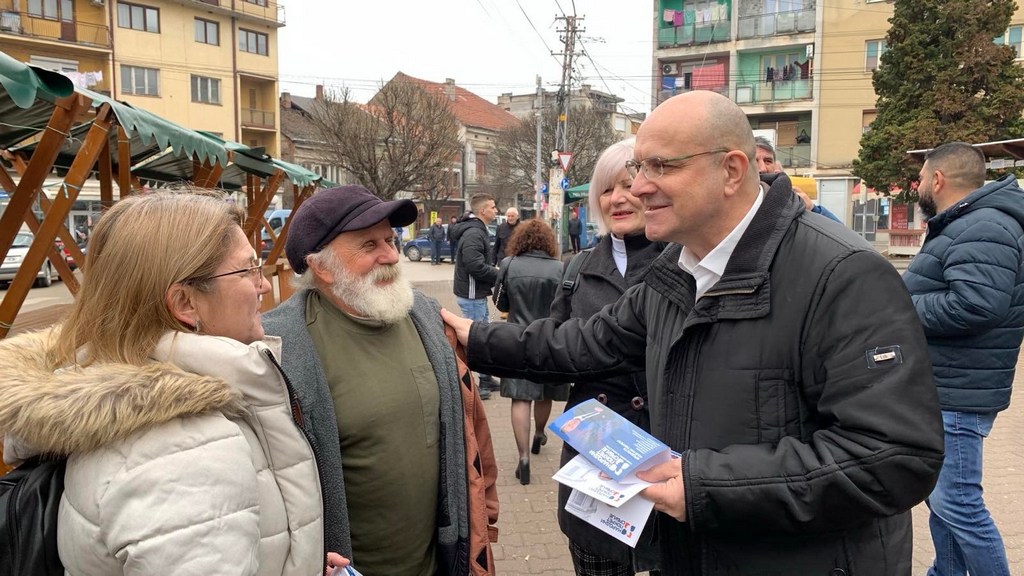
<point x="29" y="502"/>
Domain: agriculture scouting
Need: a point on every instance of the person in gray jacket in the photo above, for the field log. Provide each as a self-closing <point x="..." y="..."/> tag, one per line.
<point x="803" y="411"/>
<point x="378" y="383"/>
<point x="967" y="284"/>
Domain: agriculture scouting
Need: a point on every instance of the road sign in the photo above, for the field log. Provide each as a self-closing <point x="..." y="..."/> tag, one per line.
<point x="544" y="188"/>
<point x="565" y="159"/>
<point x="564" y="183"/>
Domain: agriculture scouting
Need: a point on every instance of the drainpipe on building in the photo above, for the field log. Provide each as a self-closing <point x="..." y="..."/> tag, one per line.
<point x="113" y="62"/>
<point x="236" y="79"/>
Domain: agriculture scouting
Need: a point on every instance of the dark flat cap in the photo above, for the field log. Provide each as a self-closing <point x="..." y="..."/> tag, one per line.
<point x="335" y="210"/>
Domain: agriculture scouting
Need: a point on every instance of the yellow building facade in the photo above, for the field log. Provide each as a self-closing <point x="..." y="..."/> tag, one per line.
<point x="205" y="64"/>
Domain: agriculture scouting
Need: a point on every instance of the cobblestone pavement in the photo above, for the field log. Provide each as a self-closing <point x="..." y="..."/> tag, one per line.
<point x="530" y="542"/>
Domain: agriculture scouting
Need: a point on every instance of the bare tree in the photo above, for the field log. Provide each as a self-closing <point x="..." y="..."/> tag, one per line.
<point x="402" y="140"/>
<point x="590" y="133"/>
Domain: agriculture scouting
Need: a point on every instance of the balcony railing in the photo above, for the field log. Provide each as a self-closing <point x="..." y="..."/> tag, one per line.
<point x="25" y="24"/>
<point x="777" y="91"/>
<point x="258" y="118"/>
<point x="687" y="34"/>
<point x="665" y="93"/>
<point x="760" y="25"/>
<point x="265" y="9"/>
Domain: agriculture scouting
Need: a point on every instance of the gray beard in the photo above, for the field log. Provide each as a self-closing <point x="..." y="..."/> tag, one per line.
<point x="386" y="304"/>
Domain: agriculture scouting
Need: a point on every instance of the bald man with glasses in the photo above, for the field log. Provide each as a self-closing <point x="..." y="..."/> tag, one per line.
<point x="784" y="362"/>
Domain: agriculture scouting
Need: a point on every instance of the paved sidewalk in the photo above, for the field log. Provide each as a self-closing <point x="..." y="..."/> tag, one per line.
<point x="531" y="544"/>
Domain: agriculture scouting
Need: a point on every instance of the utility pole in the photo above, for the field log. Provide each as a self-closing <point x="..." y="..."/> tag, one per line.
<point x="556" y="194"/>
<point x="568" y="39"/>
<point x="538" y="180"/>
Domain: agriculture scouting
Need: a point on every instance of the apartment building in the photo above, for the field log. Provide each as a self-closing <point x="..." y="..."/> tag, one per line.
<point x="524" y="105"/>
<point x="801" y="70"/>
<point x="205" y="64"/>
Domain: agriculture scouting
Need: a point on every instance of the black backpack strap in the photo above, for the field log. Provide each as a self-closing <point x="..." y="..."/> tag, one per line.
<point x="571" y="276"/>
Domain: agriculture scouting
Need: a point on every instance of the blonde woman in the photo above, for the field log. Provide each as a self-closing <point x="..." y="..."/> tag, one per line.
<point x="184" y="453"/>
<point x="619" y="260"/>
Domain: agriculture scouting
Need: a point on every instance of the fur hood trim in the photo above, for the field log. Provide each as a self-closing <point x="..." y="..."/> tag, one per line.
<point x="62" y="411"/>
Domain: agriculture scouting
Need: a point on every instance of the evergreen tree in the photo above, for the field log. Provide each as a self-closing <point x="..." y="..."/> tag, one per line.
<point x="942" y="79"/>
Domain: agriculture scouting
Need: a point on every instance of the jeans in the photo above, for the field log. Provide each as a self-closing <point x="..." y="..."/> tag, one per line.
<point x="964" y="534"/>
<point x="435" y="251"/>
<point x="477" y="311"/>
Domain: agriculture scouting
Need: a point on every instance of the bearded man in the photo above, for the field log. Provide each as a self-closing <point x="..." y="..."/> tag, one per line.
<point x="380" y="386"/>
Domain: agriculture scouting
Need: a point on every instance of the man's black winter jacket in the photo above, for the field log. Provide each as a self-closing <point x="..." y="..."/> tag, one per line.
<point x="798" y="390"/>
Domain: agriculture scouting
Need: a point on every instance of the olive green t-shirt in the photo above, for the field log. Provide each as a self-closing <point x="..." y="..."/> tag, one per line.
<point x="387" y="404"/>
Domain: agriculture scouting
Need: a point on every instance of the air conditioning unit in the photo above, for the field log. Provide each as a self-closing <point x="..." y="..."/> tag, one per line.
<point x="670" y="69"/>
<point x="96" y="2"/>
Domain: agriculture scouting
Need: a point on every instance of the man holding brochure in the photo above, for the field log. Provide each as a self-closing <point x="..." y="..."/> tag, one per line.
<point x="784" y="359"/>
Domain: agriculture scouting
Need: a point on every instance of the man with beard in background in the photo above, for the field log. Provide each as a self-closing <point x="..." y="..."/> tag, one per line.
<point x="967" y="284"/>
<point x="374" y="375"/>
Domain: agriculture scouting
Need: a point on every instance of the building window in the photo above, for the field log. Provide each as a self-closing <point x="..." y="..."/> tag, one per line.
<point x="254" y="42"/>
<point x="481" y="165"/>
<point x="140" y="81"/>
<point x="138" y="17"/>
<point x="256" y="2"/>
<point x="55" y="64"/>
<point x="866" y="119"/>
<point x="1013" y="39"/>
<point x="205" y="90"/>
<point x="207" y="32"/>
<point x="873" y="52"/>
<point x="43" y="9"/>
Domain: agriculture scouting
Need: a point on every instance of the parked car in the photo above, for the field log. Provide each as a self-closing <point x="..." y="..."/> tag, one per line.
<point x="267" y="243"/>
<point x="276" y="218"/>
<point x="419" y="247"/>
<point x="17" y="253"/>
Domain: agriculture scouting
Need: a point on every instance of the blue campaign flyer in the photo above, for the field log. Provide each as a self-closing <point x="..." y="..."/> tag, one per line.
<point x="613" y="444"/>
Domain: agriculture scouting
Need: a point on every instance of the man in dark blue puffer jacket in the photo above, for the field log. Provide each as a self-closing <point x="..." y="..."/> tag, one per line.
<point x="967" y="285"/>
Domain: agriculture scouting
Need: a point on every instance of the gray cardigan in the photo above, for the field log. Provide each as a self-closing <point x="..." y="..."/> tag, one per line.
<point x="301" y="365"/>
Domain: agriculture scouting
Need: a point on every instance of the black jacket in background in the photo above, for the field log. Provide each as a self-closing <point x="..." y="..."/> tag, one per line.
<point x="436" y="233"/>
<point x="798" y="390"/>
<point x="501" y="237"/>
<point x="474" y="273"/>
<point x="575" y="226"/>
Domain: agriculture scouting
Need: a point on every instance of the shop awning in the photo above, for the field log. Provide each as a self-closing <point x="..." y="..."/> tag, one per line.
<point x="577" y="193"/>
<point x="26" y="100"/>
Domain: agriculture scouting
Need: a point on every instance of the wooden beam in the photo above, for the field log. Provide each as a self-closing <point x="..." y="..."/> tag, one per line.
<point x="124" y="162"/>
<point x="55" y="217"/>
<point x="65" y="112"/>
<point x="259" y="203"/>
<point x="105" y="169"/>
<point x="282" y="238"/>
<point x="57" y="259"/>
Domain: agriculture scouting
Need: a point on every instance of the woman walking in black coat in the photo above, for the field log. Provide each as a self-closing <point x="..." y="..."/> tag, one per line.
<point x="527" y="282"/>
<point x="619" y="260"/>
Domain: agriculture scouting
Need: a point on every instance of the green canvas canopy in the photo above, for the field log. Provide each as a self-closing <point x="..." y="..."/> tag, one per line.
<point x="577" y="193"/>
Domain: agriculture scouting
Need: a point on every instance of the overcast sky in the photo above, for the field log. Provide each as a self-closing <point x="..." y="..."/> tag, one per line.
<point x="488" y="46"/>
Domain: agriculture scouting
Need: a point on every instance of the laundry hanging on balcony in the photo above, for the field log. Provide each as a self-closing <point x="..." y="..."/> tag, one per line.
<point x="709" y="77"/>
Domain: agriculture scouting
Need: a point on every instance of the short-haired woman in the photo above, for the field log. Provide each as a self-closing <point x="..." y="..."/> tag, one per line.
<point x="619" y="260"/>
<point x="528" y="279"/>
<point x="184" y="453"/>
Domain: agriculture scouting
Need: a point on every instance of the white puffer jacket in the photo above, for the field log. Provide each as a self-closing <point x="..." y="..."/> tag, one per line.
<point x="191" y="465"/>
